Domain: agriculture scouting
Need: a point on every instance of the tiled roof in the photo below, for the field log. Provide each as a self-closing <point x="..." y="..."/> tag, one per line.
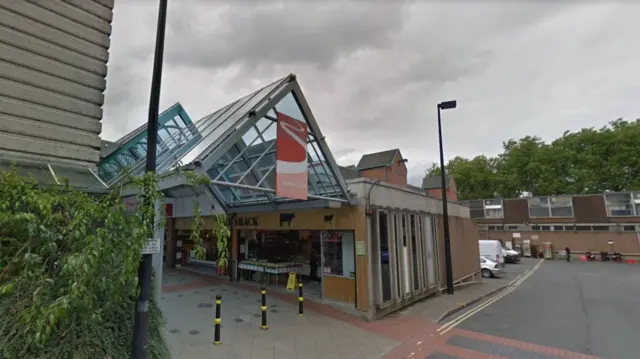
<point x="378" y="159"/>
<point x="435" y="182"/>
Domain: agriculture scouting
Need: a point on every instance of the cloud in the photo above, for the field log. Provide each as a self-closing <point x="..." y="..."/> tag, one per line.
<point x="373" y="72"/>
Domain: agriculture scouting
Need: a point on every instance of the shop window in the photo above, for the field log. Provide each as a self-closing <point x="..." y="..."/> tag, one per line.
<point x="558" y="228"/>
<point x="385" y="268"/>
<point x="629" y="228"/>
<point x="535" y="228"/>
<point x="414" y="253"/>
<point x="338" y="254"/>
<point x="583" y="228"/>
<point x="622" y="204"/>
<point x="601" y="228"/>
<point x="545" y="228"/>
<point x="569" y="227"/>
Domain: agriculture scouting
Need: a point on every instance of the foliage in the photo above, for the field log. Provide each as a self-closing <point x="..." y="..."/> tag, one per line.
<point x="222" y="234"/>
<point x="68" y="268"/>
<point x="587" y="161"/>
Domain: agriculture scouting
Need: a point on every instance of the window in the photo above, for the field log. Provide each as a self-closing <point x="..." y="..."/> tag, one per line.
<point x="489" y="208"/>
<point x="601" y="228"/>
<point x="398" y="251"/>
<point x="558" y="228"/>
<point x="385" y="269"/>
<point x="583" y="228"/>
<point x="545" y="228"/>
<point x="338" y="251"/>
<point x="622" y="204"/>
<point x="550" y="206"/>
<point x="629" y="228"/>
<point x="414" y="253"/>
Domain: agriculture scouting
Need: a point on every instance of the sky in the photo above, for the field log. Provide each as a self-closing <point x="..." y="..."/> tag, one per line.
<point x="374" y="71"/>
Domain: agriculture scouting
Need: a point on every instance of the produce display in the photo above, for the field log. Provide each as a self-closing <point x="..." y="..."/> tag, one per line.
<point x="270" y="267"/>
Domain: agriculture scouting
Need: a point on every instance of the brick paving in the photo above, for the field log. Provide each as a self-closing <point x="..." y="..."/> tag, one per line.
<point x="323" y="333"/>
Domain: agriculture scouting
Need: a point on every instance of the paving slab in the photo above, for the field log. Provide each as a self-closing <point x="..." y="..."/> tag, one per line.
<point x="189" y="308"/>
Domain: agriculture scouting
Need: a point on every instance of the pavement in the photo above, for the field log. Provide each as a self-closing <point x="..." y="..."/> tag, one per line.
<point x="541" y="315"/>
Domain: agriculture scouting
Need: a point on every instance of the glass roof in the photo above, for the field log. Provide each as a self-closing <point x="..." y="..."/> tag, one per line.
<point x="245" y="161"/>
<point x="250" y="162"/>
<point x="175" y="130"/>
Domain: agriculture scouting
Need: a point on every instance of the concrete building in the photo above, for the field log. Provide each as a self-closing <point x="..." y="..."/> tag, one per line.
<point x="596" y="222"/>
<point x="53" y="64"/>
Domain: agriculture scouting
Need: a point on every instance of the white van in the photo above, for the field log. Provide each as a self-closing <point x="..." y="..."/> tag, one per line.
<point x="492" y="249"/>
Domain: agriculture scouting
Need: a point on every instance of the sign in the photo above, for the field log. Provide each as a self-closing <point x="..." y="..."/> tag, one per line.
<point x="292" y="282"/>
<point x="292" y="172"/>
<point x="245" y="221"/>
<point x="534" y="237"/>
<point x="516" y="235"/>
<point x="361" y="250"/>
<point x="152" y="246"/>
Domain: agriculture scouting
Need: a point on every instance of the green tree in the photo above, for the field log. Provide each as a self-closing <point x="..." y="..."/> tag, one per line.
<point x="587" y="161"/>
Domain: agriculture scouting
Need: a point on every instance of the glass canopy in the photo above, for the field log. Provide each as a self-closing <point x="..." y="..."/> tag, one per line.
<point x="175" y="130"/>
<point x="249" y="163"/>
<point x="235" y="146"/>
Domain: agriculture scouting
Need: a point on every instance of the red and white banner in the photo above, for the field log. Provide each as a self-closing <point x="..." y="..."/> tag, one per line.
<point x="292" y="172"/>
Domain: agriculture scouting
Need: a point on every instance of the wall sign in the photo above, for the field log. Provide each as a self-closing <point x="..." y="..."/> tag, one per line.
<point x="245" y="221"/>
<point x="286" y="218"/>
<point x="361" y="249"/>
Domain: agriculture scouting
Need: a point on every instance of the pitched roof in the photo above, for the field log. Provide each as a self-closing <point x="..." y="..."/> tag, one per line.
<point x="378" y="159"/>
<point x="415" y="188"/>
<point x="435" y="182"/>
<point x="349" y="172"/>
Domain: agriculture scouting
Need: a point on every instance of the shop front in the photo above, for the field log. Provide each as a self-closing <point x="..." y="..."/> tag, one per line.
<point x="316" y="245"/>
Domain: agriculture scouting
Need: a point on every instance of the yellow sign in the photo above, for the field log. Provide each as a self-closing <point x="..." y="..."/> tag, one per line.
<point x="292" y="282"/>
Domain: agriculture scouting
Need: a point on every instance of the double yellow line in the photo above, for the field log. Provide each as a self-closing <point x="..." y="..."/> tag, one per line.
<point x="513" y="285"/>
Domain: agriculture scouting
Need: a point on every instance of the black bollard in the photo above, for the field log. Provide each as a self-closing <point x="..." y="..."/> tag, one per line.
<point x="218" y="321"/>
<point x="263" y="308"/>
<point x="300" y="300"/>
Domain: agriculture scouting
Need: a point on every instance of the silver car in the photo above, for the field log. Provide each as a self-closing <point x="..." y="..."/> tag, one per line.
<point x="490" y="269"/>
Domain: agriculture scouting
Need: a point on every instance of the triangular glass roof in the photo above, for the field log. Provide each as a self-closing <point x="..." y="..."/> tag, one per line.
<point x="175" y="130"/>
<point x="235" y="146"/>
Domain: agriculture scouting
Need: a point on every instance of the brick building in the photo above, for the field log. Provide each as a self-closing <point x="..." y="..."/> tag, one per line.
<point x="388" y="166"/>
<point x="433" y="187"/>
<point x="596" y="222"/>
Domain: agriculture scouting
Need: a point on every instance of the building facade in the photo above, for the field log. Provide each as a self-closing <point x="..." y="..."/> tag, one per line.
<point x="53" y="65"/>
<point x="598" y="222"/>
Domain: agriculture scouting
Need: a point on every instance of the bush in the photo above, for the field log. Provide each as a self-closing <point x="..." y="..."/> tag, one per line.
<point x="68" y="273"/>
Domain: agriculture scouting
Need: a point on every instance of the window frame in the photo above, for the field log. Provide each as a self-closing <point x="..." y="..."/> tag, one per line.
<point x="485" y="209"/>
<point x="549" y="206"/>
<point x="633" y="202"/>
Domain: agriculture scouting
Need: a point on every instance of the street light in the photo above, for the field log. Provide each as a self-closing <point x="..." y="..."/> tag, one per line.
<point x="141" y="318"/>
<point x="445" y="213"/>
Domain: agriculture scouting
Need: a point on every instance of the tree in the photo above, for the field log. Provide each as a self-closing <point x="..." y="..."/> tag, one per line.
<point x="68" y="270"/>
<point x="587" y="161"/>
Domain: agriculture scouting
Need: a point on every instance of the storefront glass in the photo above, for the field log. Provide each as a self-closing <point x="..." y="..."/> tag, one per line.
<point x="338" y="254"/>
<point x="385" y="268"/>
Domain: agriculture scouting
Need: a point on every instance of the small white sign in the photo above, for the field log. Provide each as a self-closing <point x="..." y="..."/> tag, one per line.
<point x="534" y="237"/>
<point x="516" y="235"/>
<point x="152" y="246"/>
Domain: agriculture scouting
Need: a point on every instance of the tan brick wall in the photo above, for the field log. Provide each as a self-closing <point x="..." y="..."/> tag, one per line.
<point x="623" y="242"/>
<point x="465" y="251"/>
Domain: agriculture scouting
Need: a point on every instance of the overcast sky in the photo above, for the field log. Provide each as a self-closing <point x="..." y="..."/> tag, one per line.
<point x="373" y="71"/>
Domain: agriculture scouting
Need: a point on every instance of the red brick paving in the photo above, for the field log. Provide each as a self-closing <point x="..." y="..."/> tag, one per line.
<point x="417" y="338"/>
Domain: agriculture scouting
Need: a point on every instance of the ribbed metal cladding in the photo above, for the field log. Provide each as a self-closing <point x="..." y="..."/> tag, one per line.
<point x="53" y="65"/>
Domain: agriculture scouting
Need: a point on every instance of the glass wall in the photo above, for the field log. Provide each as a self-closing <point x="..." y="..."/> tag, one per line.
<point x="385" y="268"/>
<point x="338" y="254"/>
<point x="397" y="255"/>
<point x="415" y="258"/>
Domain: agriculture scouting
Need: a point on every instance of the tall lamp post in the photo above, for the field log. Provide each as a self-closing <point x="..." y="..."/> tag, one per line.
<point x="445" y="212"/>
<point x="141" y="318"/>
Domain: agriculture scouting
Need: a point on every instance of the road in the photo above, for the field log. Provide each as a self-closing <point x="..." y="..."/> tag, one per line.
<point x="590" y="308"/>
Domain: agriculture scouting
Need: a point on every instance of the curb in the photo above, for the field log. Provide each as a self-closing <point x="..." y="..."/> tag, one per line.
<point x="455" y="310"/>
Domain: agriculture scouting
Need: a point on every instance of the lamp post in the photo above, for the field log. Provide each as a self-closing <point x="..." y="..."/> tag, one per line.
<point x="445" y="213"/>
<point x="141" y="318"/>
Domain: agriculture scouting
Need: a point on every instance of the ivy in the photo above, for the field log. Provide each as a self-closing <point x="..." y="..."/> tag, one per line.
<point x="69" y="264"/>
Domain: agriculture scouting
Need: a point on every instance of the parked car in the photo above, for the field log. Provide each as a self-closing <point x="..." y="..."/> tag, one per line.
<point x="490" y="269"/>
<point x="511" y="256"/>
<point x="492" y="249"/>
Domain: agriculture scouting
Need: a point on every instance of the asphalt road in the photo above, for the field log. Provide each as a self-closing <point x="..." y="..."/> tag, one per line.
<point x="591" y="308"/>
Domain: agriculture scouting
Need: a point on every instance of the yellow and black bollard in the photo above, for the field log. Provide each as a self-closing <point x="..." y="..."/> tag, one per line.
<point x="300" y="300"/>
<point x="218" y="321"/>
<point x="263" y="308"/>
